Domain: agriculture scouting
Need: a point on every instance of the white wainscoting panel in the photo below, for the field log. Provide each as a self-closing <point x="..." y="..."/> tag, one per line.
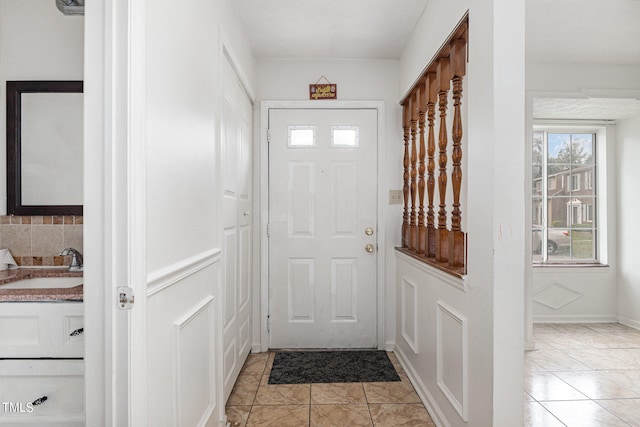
<point x="452" y="348"/>
<point x="409" y="311"/>
<point x="195" y="364"/>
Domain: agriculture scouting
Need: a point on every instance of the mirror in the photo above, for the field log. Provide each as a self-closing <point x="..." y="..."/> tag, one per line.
<point x="44" y="147"/>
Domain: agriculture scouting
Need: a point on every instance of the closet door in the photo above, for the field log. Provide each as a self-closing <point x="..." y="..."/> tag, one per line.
<point x="237" y="204"/>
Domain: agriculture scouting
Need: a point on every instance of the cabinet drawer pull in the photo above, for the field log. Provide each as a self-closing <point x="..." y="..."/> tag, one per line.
<point x="76" y="332"/>
<point x="39" y="401"/>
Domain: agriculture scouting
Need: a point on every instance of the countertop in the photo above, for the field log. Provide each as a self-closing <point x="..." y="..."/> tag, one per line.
<point x="39" y="294"/>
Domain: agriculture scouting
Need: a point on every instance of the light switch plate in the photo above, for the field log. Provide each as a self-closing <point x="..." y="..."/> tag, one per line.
<point x="395" y="197"/>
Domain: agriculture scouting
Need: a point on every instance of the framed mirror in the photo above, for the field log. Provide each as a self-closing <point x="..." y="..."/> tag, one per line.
<point x="44" y="147"/>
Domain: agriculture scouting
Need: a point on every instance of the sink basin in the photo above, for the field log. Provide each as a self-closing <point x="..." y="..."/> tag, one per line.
<point x="44" y="282"/>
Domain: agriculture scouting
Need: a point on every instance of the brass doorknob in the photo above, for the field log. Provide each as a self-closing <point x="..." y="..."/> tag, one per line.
<point x="369" y="248"/>
<point x="368" y="231"/>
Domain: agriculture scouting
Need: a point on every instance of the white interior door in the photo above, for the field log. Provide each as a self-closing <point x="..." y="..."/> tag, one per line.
<point x="236" y="206"/>
<point x="322" y="228"/>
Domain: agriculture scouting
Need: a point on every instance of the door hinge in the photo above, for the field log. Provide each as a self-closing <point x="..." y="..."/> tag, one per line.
<point x="125" y="298"/>
<point x="268" y="323"/>
<point x="268" y="136"/>
<point x="268" y="230"/>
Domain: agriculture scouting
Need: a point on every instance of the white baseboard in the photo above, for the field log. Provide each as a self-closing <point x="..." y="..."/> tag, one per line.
<point x="423" y="393"/>
<point x="629" y="322"/>
<point x="568" y="318"/>
<point x="389" y="346"/>
<point x="256" y="348"/>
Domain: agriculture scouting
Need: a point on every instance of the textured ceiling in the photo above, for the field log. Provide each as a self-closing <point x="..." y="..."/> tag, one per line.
<point x="329" y="28"/>
<point x="560" y="31"/>
<point x="583" y="31"/>
<point x="583" y="109"/>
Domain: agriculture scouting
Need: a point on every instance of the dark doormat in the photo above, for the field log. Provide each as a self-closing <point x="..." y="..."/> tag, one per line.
<point x="302" y="367"/>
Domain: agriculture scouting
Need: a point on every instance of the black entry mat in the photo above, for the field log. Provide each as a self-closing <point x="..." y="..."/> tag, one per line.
<point x="302" y="367"/>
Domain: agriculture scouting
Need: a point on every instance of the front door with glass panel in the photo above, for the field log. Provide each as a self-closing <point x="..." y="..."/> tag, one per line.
<point x="322" y="227"/>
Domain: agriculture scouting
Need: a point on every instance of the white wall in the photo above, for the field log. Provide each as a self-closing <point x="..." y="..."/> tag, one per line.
<point x="628" y="177"/>
<point x="481" y="318"/>
<point x="37" y="42"/>
<point x="356" y="80"/>
<point x="182" y="112"/>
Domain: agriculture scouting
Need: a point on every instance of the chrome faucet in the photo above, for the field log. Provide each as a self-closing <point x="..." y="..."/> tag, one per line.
<point x="76" y="259"/>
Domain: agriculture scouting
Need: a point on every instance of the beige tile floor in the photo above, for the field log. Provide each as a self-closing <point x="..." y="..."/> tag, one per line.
<point x="583" y="375"/>
<point x="254" y="402"/>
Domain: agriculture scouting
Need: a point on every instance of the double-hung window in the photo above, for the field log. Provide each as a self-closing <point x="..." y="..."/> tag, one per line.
<point x="564" y="191"/>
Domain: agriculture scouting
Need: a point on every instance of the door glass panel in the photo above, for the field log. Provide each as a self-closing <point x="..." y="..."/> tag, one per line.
<point x="344" y="136"/>
<point x="302" y="136"/>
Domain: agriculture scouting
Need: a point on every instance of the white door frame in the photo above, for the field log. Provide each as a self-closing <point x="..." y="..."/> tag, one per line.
<point x="263" y="242"/>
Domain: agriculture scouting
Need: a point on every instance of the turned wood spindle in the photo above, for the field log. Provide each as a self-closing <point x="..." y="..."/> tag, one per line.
<point x="422" y="230"/>
<point x="413" y="231"/>
<point x="456" y="236"/>
<point x="405" y="176"/>
<point x="431" y="164"/>
<point x="442" y="240"/>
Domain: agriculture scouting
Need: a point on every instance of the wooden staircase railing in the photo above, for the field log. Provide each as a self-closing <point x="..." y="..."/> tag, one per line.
<point x="441" y="243"/>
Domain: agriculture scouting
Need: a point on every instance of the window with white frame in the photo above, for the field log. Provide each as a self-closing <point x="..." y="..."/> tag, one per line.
<point x="564" y="210"/>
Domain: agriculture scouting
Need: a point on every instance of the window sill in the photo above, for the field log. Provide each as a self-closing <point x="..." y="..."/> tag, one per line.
<point x="569" y="265"/>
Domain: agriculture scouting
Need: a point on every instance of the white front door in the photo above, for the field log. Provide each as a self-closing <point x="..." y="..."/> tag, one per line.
<point x="322" y="228"/>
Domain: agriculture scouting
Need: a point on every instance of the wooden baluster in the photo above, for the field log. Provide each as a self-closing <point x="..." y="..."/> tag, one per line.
<point x="442" y="239"/>
<point x="456" y="236"/>
<point x="431" y="165"/>
<point x="413" y="232"/>
<point x="405" y="177"/>
<point x="422" y="230"/>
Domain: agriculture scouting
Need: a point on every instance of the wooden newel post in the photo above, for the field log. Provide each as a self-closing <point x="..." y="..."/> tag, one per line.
<point x="456" y="236"/>
<point x="431" y="164"/>
<point x="442" y="234"/>
<point x="413" y="227"/>
<point x="422" y="229"/>
<point x="405" y="177"/>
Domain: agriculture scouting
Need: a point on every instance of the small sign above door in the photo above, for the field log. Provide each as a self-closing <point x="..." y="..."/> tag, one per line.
<point x="326" y="90"/>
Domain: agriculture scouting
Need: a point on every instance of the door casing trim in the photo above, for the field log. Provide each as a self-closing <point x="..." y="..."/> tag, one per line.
<point x="261" y="337"/>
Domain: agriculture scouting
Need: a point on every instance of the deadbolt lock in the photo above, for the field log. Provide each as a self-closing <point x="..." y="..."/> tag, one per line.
<point x="368" y="231"/>
<point x="369" y="248"/>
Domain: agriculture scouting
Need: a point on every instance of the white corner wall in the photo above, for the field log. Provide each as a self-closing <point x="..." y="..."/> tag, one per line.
<point x="182" y="111"/>
<point x="462" y="341"/>
<point x="596" y="289"/>
<point x="37" y="42"/>
<point x="357" y="80"/>
<point x="628" y="177"/>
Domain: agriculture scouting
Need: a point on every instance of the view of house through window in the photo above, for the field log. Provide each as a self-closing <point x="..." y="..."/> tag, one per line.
<point x="564" y="197"/>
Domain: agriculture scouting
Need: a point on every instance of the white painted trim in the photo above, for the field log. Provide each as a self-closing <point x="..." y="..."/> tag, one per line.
<point x="425" y="396"/>
<point x="575" y="318"/>
<point x="265" y="106"/>
<point x="460" y="407"/>
<point x="227" y="51"/>
<point x="169" y="275"/>
<point x="629" y="322"/>
<point x="133" y="156"/>
<point x="456" y="282"/>
<point x="178" y="325"/>
<point x="411" y="341"/>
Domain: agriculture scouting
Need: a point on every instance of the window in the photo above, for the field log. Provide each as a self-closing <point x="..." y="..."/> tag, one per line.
<point x="588" y="180"/>
<point x="575" y="182"/>
<point x="344" y="136"/>
<point x="564" y="216"/>
<point x="302" y="136"/>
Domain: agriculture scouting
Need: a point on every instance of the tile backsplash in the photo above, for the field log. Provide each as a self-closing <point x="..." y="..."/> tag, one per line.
<point x="37" y="240"/>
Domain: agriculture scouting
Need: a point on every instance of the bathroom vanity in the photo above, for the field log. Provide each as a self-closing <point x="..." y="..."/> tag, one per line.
<point x="41" y="348"/>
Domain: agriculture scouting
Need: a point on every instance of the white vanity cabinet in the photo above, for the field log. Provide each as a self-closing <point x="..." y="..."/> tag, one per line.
<point x="41" y="365"/>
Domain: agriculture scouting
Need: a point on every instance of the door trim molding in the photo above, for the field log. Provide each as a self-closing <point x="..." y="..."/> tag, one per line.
<point x="261" y="339"/>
